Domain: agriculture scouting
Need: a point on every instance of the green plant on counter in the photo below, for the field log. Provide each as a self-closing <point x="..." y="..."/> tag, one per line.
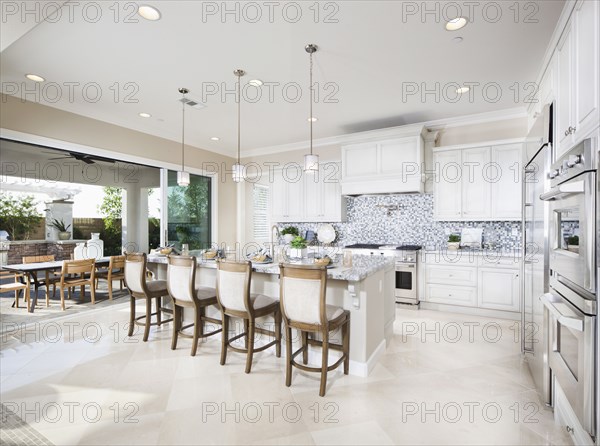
<point x="573" y="240"/>
<point x="60" y="225"/>
<point x="292" y="230"/>
<point x="453" y="238"/>
<point x="298" y="243"/>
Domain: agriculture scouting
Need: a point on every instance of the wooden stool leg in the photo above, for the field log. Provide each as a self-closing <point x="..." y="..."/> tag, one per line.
<point x="224" y="337"/>
<point x="201" y="313"/>
<point x="246" y="330"/>
<point x="92" y="293"/>
<point x="70" y="297"/>
<point x="159" y="311"/>
<point x="324" y="360"/>
<point x="28" y="298"/>
<point x="131" y="315"/>
<point x="250" y="354"/>
<point x="110" y="290"/>
<point x="17" y="294"/>
<point x="346" y="345"/>
<point x="197" y="322"/>
<point x="148" y="313"/>
<point x="288" y="356"/>
<point x="278" y="334"/>
<point x="304" y="342"/>
<point x="62" y="297"/>
<point x="176" y="325"/>
<point x="82" y="293"/>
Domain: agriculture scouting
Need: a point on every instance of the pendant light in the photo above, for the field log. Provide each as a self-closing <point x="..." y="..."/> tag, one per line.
<point x="183" y="177"/>
<point x="238" y="168"/>
<point x="311" y="161"/>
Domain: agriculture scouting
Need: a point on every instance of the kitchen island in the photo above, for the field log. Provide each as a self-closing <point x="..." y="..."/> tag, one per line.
<point x="366" y="290"/>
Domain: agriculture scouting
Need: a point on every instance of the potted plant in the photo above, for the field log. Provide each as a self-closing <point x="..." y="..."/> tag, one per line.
<point x="573" y="243"/>
<point x="453" y="242"/>
<point x="298" y="248"/>
<point x="63" y="231"/>
<point x="289" y="233"/>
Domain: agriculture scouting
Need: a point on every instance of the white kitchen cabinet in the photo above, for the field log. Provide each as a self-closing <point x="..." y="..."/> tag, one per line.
<point x="452" y="295"/>
<point x="477" y="183"/>
<point x="506" y="181"/>
<point x="447" y="185"/>
<point x="391" y="165"/>
<point x="323" y="201"/>
<point x="308" y="198"/>
<point x="451" y="275"/>
<point x="577" y="108"/>
<point x="476" y="190"/>
<point x="498" y="289"/>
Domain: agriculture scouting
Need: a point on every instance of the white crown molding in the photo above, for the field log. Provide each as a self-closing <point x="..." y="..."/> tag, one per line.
<point x="496" y="142"/>
<point x="393" y="132"/>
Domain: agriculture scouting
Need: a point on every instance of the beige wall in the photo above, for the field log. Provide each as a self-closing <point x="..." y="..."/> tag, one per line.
<point x="41" y="120"/>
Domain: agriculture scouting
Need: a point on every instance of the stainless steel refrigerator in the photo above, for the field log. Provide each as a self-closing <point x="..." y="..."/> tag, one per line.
<point x="534" y="322"/>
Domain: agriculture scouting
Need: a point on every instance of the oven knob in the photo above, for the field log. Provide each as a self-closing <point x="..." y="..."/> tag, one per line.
<point x="553" y="174"/>
<point x="574" y="160"/>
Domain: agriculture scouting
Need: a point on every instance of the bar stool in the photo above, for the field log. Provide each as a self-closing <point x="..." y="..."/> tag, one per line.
<point x="235" y="300"/>
<point x="181" y="283"/>
<point x="140" y="288"/>
<point x="302" y="296"/>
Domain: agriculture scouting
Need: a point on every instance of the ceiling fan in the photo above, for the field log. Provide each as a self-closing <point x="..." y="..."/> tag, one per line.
<point x="88" y="159"/>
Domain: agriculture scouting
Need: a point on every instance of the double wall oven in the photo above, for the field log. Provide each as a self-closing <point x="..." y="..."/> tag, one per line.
<point x="572" y="298"/>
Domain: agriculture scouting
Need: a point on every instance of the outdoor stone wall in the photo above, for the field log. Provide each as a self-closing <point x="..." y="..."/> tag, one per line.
<point x="18" y="250"/>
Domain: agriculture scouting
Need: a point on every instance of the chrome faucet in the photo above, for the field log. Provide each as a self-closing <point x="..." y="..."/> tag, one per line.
<point x="274" y="227"/>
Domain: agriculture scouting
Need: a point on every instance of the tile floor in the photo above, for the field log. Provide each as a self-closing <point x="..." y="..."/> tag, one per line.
<point x="81" y="380"/>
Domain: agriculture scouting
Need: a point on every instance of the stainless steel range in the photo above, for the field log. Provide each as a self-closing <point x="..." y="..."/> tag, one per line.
<point x="406" y="266"/>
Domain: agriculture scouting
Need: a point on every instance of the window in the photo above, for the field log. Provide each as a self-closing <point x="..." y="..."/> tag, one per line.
<point x="260" y="222"/>
<point x="189" y="212"/>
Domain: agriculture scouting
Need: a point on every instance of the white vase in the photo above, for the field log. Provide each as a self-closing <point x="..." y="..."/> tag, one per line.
<point x="296" y="253"/>
<point x="95" y="247"/>
<point x="287" y="238"/>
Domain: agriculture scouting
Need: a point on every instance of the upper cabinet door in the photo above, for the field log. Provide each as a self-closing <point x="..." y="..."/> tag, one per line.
<point x="334" y="205"/>
<point x="313" y="197"/>
<point x="564" y="116"/>
<point x="278" y="199"/>
<point x="586" y="79"/>
<point x="295" y="200"/>
<point x="447" y="185"/>
<point x="476" y="184"/>
<point x="506" y="184"/>
<point x="359" y="161"/>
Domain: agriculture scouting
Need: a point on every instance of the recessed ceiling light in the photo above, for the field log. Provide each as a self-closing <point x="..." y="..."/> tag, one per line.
<point x="35" y="77"/>
<point x="457" y="39"/>
<point x="313" y="119"/>
<point x="149" y="12"/>
<point x="214" y="138"/>
<point x="145" y="115"/>
<point x="462" y="90"/>
<point x="255" y="82"/>
<point x="456" y="23"/>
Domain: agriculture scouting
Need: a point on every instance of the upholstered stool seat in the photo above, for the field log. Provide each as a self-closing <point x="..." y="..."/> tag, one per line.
<point x="141" y="288"/>
<point x="235" y="300"/>
<point x="181" y="283"/>
<point x="303" y="294"/>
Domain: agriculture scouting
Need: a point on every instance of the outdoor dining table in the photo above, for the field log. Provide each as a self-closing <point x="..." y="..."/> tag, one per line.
<point x="31" y="269"/>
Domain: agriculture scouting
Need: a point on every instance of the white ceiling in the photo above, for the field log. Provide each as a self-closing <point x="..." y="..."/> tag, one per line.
<point x="368" y="55"/>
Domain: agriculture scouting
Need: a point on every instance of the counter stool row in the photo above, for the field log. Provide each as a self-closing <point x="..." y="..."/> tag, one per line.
<point x="301" y="306"/>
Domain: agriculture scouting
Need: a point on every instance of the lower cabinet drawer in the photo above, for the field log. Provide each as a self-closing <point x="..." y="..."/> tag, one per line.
<point x="451" y="294"/>
<point x="449" y="275"/>
<point x="565" y="417"/>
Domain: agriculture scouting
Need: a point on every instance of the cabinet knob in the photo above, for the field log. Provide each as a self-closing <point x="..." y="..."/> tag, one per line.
<point x="570" y="430"/>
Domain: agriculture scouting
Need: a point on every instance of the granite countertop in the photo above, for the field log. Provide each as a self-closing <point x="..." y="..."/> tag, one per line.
<point x="362" y="267"/>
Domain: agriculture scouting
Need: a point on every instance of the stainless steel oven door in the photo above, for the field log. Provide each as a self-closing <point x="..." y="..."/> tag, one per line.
<point x="406" y="283"/>
<point x="571" y="355"/>
<point x="572" y="230"/>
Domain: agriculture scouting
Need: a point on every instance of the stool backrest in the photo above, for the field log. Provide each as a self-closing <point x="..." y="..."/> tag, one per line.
<point x="302" y="293"/>
<point x="181" y="277"/>
<point x="135" y="272"/>
<point x="38" y="259"/>
<point x="116" y="262"/>
<point x="233" y="285"/>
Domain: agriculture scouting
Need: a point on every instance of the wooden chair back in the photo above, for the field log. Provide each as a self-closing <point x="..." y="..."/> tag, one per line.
<point x="116" y="262"/>
<point x="79" y="267"/>
<point x="233" y="285"/>
<point x="302" y="293"/>
<point x="38" y="259"/>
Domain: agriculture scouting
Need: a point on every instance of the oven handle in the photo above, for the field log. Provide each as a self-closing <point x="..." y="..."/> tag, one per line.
<point x="563" y="189"/>
<point x="567" y="321"/>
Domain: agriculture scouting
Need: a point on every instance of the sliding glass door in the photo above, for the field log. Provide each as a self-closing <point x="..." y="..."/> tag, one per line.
<point x="188" y="211"/>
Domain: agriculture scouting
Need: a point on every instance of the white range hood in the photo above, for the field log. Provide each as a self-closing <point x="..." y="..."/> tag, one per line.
<point x="384" y="164"/>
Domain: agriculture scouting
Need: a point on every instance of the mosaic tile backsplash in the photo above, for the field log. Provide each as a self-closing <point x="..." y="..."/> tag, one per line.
<point x="408" y="219"/>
